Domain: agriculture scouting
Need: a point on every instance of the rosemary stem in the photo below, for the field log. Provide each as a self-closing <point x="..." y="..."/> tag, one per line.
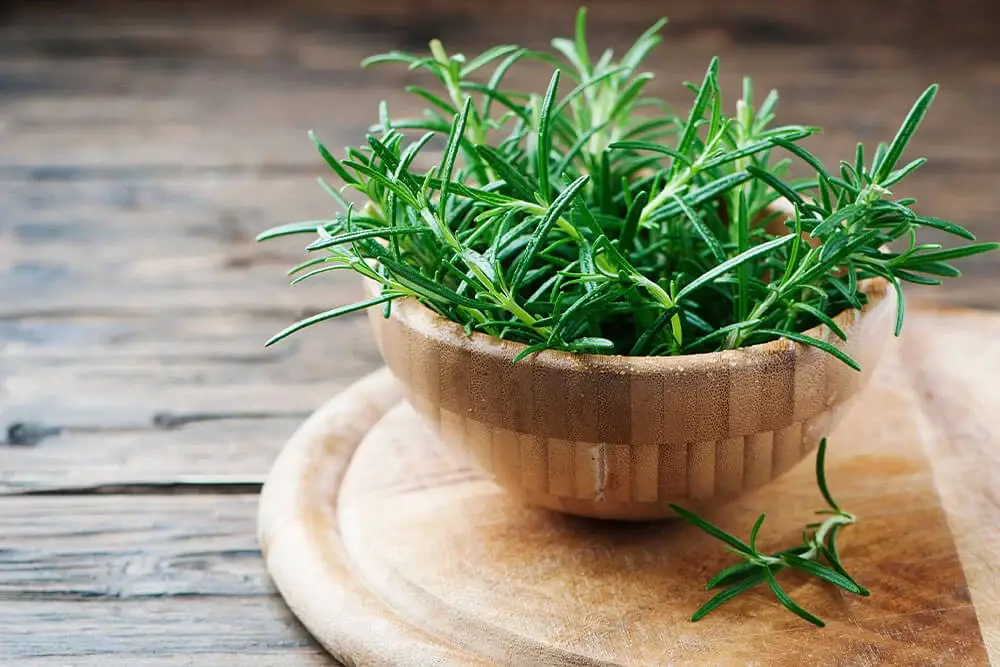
<point x="657" y="292"/>
<point x="841" y="519"/>
<point x="737" y="336"/>
<point x="523" y="315"/>
<point x="668" y="191"/>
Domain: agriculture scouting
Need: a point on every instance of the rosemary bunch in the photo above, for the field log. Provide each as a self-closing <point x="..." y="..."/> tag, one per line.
<point x="590" y="217"/>
<point x="819" y="545"/>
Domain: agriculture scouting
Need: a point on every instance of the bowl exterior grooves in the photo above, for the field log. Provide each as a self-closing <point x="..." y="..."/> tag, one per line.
<point x="622" y="437"/>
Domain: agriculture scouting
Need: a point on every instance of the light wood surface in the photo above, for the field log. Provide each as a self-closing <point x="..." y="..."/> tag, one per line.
<point x="143" y="145"/>
<point x="365" y="498"/>
<point x="625" y="437"/>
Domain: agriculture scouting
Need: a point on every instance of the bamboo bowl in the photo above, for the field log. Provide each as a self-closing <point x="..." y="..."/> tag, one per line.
<point x="621" y="437"/>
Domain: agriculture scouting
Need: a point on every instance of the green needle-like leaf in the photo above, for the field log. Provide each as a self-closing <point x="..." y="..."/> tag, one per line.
<point x="386" y="181"/>
<point x="522" y="187"/>
<point x="826" y="574"/>
<point x="327" y="315"/>
<point x="712" y="530"/>
<point x="487" y="57"/>
<point x="632" y="220"/>
<point x="730" y="264"/>
<point x="718" y="252"/>
<point x="906" y="132"/>
<point x="722" y="332"/>
<point x="755" y="530"/>
<point x="831" y="553"/>
<point x="742" y="246"/>
<point x="554" y="212"/>
<point x="544" y="135"/>
<point x="383" y="232"/>
<point x="451" y="152"/>
<point x="945" y="226"/>
<point x="814" y="342"/>
<point x="332" y="161"/>
<point x="787" y="602"/>
<point x="821" y="476"/>
<point x="822" y="317"/>
<point x="701" y="102"/>
<point x="649" y="146"/>
<point x="950" y="254"/>
<point x="727" y="594"/>
<point x="305" y="227"/>
<point x="733" y="574"/>
<point x="900" y="174"/>
<point x="751" y="149"/>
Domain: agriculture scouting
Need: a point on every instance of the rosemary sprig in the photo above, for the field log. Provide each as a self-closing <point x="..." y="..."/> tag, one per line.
<point x="588" y="216"/>
<point x="819" y="545"/>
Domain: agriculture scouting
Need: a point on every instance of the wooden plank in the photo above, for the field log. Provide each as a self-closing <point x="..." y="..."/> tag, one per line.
<point x="215" y="659"/>
<point x="203" y="130"/>
<point x="192" y="243"/>
<point x="190" y="81"/>
<point x="122" y="578"/>
<point x="129" y="548"/>
<point x="182" y="245"/>
<point x="161" y="314"/>
<point x="962" y="25"/>
<point x="212" y="355"/>
<point x="230" y="453"/>
<point x="145" y="400"/>
<point x="245" y="659"/>
<point x="177" y="631"/>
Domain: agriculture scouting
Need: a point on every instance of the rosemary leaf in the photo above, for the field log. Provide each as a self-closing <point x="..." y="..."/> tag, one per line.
<point x="787" y="602"/>
<point x="727" y="594"/>
<point x="713" y="530"/>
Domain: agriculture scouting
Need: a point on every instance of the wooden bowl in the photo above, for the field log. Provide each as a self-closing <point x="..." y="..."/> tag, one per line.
<point x="622" y="437"/>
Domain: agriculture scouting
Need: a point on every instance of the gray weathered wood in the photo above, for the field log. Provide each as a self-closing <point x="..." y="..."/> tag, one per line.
<point x="126" y="578"/>
<point x="155" y="547"/>
<point x="217" y="407"/>
<point x="183" y="631"/>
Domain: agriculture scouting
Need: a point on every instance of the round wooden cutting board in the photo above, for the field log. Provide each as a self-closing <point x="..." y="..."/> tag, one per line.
<point x="392" y="551"/>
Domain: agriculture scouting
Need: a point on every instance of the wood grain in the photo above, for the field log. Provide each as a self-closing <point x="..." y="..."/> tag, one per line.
<point x="324" y="445"/>
<point x="448" y="554"/>
<point x="172" y="631"/>
<point x="168" y="580"/>
<point x="93" y="356"/>
<point x="121" y="401"/>
<point x="962" y="424"/>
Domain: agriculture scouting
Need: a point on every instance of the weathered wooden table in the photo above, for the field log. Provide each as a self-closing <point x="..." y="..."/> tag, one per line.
<point x="142" y="150"/>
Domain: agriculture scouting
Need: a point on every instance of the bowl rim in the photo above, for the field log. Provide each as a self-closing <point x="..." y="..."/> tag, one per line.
<point x="413" y="314"/>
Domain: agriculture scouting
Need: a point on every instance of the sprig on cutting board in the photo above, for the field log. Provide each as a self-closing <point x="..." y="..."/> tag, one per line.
<point x="817" y="556"/>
